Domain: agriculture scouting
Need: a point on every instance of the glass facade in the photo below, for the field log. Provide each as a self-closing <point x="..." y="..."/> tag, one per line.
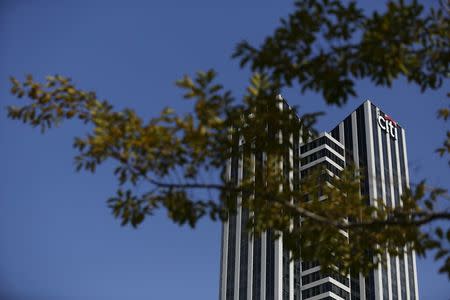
<point x="382" y="160"/>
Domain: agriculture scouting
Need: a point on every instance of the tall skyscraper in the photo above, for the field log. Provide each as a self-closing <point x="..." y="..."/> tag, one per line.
<point x="258" y="268"/>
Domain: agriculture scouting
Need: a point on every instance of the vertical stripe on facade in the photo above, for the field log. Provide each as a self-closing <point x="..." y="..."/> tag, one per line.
<point x="288" y="281"/>
<point x="365" y="191"/>
<point x="381" y="185"/>
<point x="296" y="184"/>
<point x="237" y="259"/>
<point x="355" y="152"/>
<point x="341" y="133"/>
<point x="404" y="261"/>
<point x="372" y="176"/>
<point x="270" y="265"/>
<point x="412" y="269"/>
<point x="404" y="286"/>
<point x="223" y="264"/>
<point x="231" y="260"/>
<point x="372" y="192"/>
<point x="347" y="136"/>
<point x="381" y="192"/>
<point x="264" y="242"/>
<point x="224" y="249"/>
<point x="250" y="268"/>
<point x="251" y="237"/>
<point x="263" y="265"/>
<point x="257" y="270"/>
<point x="257" y="241"/>
<point x="390" y="188"/>
<point x="278" y="247"/>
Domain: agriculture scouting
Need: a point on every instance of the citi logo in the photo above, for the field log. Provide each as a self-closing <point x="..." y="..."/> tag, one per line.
<point x="387" y="124"/>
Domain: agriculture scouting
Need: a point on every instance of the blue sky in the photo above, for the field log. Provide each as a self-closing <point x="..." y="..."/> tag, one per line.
<point x="58" y="239"/>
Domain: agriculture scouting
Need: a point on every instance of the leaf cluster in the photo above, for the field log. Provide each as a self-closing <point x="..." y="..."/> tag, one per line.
<point x="326" y="45"/>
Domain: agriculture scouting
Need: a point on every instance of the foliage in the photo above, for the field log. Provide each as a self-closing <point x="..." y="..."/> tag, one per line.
<point x="326" y="45"/>
<point x="172" y="153"/>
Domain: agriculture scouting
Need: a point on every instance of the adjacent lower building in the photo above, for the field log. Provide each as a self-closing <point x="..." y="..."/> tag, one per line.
<point x="258" y="267"/>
